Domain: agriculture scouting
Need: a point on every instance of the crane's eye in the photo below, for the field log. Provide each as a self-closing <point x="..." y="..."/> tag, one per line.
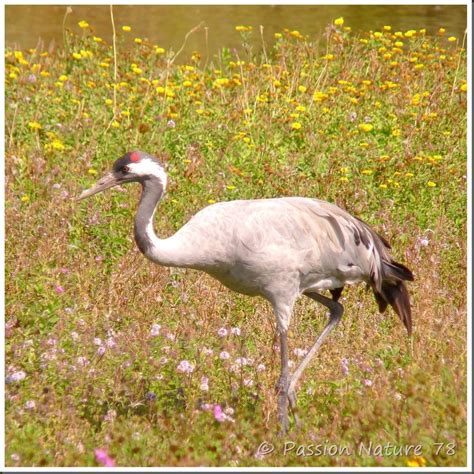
<point x="126" y="169"/>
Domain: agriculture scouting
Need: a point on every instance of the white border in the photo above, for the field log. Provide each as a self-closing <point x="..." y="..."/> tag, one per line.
<point x="469" y="233"/>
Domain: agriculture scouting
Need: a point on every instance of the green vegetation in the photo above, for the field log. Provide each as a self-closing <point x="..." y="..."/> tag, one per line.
<point x="106" y="351"/>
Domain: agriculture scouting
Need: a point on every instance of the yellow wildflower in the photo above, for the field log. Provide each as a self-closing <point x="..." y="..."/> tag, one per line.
<point x="296" y="34"/>
<point x="25" y="198"/>
<point x="295" y="125"/>
<point x="221" y="81"/>
<point x="387" y="27"/>
<point x="138" y="40"/>
<point x="126" y="28"/>
<point x="366" y="127"/>
<point x="344" y="179"/>
<point x="339" y="21"/>
<point x="383" y="186"/>
<point x="278" y="35"/>
<point x="243" y="28"/>
<point x="300" y="108"/>
<point x="76" y="56"/>
<point x="410" y="33"/>
<point x="416" y="461"/>
<point x="109" y="101"/>
<point x="319" y="96"/>
<point x="159" y="50"/>
<point x="377" y="34"/>
<point x="367" y="172"/>
<point x="86" y="53"/>
<point x="452" y="39"/>
<point x="431" y="184"/>
<point x="57" y="145"/>
<point x="302" y="88"/>
<point x="115" y="124"/>
<point x="83" y="24"/>
<point x="92" y="171"/>
<point x="63" y="77"/>
<point x="442" y="31"/>
<point x="34" y="125"/>
<point x="463" y="87"/>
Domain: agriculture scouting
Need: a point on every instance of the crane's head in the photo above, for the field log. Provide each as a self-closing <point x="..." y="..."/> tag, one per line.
<point x="135" y="166"/>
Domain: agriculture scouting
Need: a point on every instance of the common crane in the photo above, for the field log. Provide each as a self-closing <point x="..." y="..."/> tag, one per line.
<point x="278" y="248"/>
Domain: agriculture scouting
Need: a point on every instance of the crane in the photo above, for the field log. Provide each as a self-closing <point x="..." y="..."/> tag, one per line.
<point x="278" y="248"/>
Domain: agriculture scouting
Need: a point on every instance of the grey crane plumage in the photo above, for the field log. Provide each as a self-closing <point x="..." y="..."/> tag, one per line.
<point x="278" y="248"/>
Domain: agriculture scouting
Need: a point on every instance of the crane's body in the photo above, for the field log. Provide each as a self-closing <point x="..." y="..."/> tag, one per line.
<point x="278" y="248"/>
<point x="273" y="247"/>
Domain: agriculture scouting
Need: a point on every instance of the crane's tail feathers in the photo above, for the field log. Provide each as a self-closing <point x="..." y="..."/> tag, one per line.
<point x="396" y="271"/>
<point x="394" y="292"/>
<point x="395" y="295"/>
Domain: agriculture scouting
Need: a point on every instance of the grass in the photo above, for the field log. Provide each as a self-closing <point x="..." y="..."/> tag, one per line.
<point x="373" y="122"/>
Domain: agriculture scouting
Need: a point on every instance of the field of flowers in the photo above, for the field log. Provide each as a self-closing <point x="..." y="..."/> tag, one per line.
<point x="111" y="360"/>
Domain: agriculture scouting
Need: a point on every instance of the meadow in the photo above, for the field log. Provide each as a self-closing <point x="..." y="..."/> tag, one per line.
<point x="112" y="360"/>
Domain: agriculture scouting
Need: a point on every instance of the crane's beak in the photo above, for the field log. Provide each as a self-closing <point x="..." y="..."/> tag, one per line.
<point x="104" y="183"/>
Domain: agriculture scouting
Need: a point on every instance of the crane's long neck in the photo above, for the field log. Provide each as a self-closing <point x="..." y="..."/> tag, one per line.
<point x="147" y="241"/>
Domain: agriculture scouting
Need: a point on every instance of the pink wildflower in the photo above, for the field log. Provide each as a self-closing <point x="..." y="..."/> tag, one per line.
<point x="219" y="415"/>
<point x="185" y="367"/>
<point x="103" y="458"/>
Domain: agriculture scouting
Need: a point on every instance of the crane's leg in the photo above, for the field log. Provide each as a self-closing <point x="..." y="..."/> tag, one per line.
<point x="336" y="311"/>
<point x="282" y="386"/>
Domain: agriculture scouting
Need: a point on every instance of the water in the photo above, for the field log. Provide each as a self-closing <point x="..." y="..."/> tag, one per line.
<point x="167" y="25"/>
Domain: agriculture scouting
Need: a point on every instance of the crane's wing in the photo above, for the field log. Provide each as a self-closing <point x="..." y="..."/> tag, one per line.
<point x="319" y="236"/>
